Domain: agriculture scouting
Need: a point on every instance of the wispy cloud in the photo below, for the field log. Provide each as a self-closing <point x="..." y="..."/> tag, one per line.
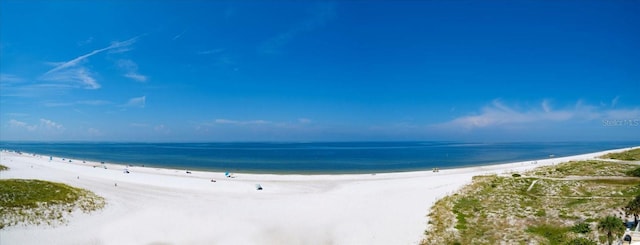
<point x="94" y="132"/>
<point x="48" y="124"/>
<point x="210" y="51"/>
<point x="44" y="125"/>
<point x="259" y="123"/>
<point x="131" y="69"/>
<point x="614" y="101"/>
<point x="499" y="114"/>
<point x="234" y="122"/>
<point x="9" y="78"/>
<point x="19" y="124"/>
<point x="304" y="120"/>
<point x="139" y="102"/>
<point x="161" y="129"/>
<point x="322" y="13"/>
<point x="8" y="81"/>
<point x="72" y="72"/>
<point x="176" y="37"/>
<point x="82" y="102"/>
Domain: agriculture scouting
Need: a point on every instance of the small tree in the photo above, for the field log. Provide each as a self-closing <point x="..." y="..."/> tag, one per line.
<point x="612" y="226"/>
<point x="633" y="208"/>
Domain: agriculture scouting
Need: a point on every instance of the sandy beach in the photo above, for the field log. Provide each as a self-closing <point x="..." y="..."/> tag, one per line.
<point x="167" y="206"/>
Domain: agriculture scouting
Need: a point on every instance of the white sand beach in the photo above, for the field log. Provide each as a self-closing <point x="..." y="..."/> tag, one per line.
<point x="166" y="206"/>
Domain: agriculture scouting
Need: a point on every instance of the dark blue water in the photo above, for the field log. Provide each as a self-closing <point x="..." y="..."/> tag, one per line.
<point x="337" y="157"/>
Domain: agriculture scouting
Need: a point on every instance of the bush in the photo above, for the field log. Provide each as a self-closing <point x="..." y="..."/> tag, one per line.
<point x="582" y="228"/>
<point x="634" y="173"/>
<point x="516" y="175"/>
<point x="3" y="168"/>
<point x="555" y="234"/>
<point x="582" y="241"/>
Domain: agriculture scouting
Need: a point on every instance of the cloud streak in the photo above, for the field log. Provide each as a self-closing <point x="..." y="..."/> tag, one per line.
<point x="73" y="72"/>
<point x="322" y="14"/>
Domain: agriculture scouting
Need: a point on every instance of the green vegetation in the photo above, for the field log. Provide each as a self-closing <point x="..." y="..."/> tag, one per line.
<point x="42" y="202"/>
<point x="561" y="204"/>
<point x="635" y="172"/>
<point x="554" y="234"/>
<point x="630" y="155"/>
<point x="584" y="168"/>
<point x="612" y="226"/>
<point x="582" y="241"/>
<point x="582" y="228"/>
<point x="3" y="168"/>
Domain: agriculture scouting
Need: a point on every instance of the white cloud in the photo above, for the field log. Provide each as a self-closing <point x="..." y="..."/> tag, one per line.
<point x="72" y="72"/>
<point x="137" y="102"/>
<point x="233" y="122"/>
<point x="48" y="124"/>
<point x="17" y="123"/>
<point x="131" y="69"/>
<point x="499" y="114"/>
<point x="136" y="76"/>
<point x="45" y="125"/>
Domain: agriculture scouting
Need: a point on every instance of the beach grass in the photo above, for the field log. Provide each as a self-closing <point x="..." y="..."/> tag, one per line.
<point x="630" y="155"/>
<point x="42" y="202"/>
<point x="3" y="168"/>
<point x="547" y="205"/>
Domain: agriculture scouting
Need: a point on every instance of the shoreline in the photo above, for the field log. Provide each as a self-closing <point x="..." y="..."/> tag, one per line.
<point x="76" y="160"/>
<point x="216" y="159"/>
<point x="170" y="206"/>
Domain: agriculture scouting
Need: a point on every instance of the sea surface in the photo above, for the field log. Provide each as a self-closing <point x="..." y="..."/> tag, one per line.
<point x="309" y="158"/>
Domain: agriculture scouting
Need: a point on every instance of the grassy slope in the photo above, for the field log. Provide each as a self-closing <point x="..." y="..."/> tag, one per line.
<point x="495" y="209"/>
<point x="42" y="202"/>
<point x="632" y="155"/>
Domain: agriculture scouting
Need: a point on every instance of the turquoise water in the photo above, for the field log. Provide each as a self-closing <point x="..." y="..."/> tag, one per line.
<point x="325" y="157"/>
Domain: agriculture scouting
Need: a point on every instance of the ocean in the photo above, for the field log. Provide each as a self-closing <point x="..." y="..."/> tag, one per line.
<point x="312" y="158"/>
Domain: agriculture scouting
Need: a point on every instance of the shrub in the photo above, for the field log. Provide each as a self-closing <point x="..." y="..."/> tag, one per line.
<point x="582" y="228"/>
<point x="582" y="241"/>
<point x="635" y="172"/>
<point x="555" y="234"/>
<point x="516" y="175"/>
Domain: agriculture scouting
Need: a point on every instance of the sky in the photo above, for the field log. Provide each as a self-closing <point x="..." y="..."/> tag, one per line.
<point x="183" y="71"/>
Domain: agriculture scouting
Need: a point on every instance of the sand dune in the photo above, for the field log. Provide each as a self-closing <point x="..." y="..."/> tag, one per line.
<point x="166" y="206"/>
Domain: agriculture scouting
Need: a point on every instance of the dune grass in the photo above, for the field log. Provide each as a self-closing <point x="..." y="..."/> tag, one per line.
<point x="497" y="209"/>
<point x="630" y="155"/>
<point x="3" y="168"/>
<point x="42" y="202"/>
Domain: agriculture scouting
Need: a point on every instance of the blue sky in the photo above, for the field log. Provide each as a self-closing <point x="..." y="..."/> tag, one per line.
<point x="319" y="71"/>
